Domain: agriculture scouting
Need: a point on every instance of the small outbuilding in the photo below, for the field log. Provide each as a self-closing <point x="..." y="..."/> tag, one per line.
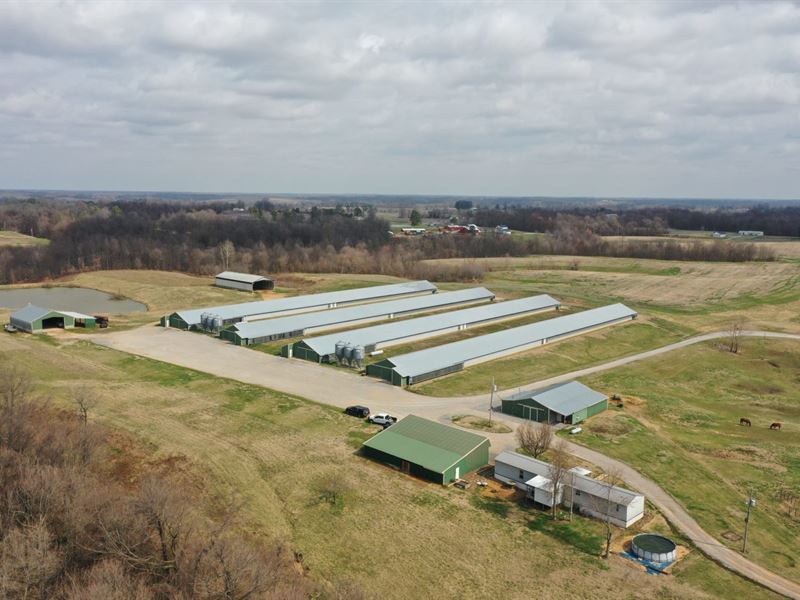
<point x="568" y="403"/>
<point x="34" y="318"/>
<point x="429" y="450"/>
<point x="243" y="281"/>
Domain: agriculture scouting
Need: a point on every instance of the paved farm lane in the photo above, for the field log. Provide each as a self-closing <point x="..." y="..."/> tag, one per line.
<point x="331" y="386"/>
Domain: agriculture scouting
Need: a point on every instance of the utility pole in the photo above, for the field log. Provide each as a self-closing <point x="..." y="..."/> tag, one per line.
<point x="491" y="400"/>
<point x="751" y="502"/>
<point x="572" y="492"/>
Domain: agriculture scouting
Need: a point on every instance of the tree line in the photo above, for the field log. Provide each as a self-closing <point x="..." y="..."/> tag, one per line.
<point x="656" y="220"/>
<point x="80" y="519"/>
<point x="204" y="238"/>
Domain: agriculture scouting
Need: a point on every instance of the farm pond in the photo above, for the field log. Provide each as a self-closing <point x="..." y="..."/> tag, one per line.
<point x="76" y="299"/>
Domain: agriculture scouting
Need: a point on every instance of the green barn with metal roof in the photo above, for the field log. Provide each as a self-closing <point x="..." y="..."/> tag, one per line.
<point x="568" y="403"/>
<point x="34" y="318"/>
<point x="429" y="450"/>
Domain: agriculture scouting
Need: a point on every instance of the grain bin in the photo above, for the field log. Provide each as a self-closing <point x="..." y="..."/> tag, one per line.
<point x="655" y="548"/>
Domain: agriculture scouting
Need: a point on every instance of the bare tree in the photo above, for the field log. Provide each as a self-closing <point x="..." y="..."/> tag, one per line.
<point x="535" y="439"/>
<point x="226" y="251"/>
<point x="85" y="400"/>
<point x="560" y="464"/>
<point x="603" y="504"/>
<point x="29" y="562"/>
<point x="331" y="487"/>
<point x="15" y="390"/>
<point x="736" y="334"/>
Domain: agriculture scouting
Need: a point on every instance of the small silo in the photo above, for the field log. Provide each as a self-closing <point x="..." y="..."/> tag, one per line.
<point x="339" y="352"/>
<point x="348" y="353"/>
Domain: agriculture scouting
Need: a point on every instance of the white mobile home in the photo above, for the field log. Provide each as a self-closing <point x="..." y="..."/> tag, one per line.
<point x="587" y="496"/>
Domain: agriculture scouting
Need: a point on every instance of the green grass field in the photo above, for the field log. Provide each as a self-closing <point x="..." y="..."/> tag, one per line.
<point x="681" y="428"/>
<point x="12" y="238"/>
<point x="271" y="450"/>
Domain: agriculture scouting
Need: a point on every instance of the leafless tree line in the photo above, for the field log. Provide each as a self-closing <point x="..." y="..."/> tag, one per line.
<point x="71" y="529"/>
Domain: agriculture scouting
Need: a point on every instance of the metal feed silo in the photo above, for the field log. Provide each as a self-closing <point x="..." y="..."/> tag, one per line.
<point x="358" y="355"/>
<point x="339" y="352"/>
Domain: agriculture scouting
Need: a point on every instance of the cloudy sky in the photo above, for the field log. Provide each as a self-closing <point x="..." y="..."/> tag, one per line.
<point x="693" y="99"/>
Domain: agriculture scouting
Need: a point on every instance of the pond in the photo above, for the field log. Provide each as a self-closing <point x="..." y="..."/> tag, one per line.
<point x="83" y="300"/>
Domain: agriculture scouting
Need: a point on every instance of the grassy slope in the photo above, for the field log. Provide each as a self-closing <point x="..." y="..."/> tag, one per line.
<point x="686" y="436"/>
<point x="270" y="449"/>
<point x="12" y="238"/>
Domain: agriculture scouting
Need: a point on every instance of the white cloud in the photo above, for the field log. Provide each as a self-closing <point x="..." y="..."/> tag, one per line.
<point x="690" y="99"/>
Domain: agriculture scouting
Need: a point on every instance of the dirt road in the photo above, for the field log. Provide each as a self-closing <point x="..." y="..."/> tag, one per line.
<point x="331" y="386"/>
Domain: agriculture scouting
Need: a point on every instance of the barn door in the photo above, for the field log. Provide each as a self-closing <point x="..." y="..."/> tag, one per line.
<point x="406" y="466"/>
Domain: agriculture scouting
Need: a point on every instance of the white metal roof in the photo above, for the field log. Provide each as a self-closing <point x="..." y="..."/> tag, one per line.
<point x="265" y="307"/>
<point x="243" y="277"/>
<point x="326" y="344"/>
<point x="441" y="357"/>
<point x="564" y="398"/>
<point x="581" y="481"/>
<point x="301" y="322"/>
<point x="75" y="315"/>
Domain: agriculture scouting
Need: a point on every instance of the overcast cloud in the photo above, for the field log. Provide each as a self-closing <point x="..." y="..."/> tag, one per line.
<point x="641" y="99"/>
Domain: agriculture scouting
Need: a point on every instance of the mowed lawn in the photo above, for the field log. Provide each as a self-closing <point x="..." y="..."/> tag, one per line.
<point x="395" y="536"/>
<point x="557" y="358"/>
<point x="681" y="428"/>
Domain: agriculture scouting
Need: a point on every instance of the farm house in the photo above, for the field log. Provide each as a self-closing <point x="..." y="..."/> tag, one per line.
<point x="243" y="281"/>
<point x="34" y="318"/>
<point x="428" y="449"/>
<point x="247" y="333"/>
<point x="233" y="313"/>
<point x="588" y="496"/>
<point x="568" y="403"/>
<point x="369" y="339"/>
<point x="415" y="367"/>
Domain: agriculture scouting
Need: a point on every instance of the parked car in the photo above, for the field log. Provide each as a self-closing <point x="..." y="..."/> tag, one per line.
<point x="384" y="419"/>
<point x="10" y="328"/>
<point x="357" y="411"/>
<point x="102" y="322"/>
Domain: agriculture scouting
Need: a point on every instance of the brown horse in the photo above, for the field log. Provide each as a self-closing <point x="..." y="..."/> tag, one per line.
<point x="775" y="426"/>
<point x="744" y="421"/>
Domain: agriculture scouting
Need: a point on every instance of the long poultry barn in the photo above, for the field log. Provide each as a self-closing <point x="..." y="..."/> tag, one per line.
<point x="247" y="333"/>
<point x="369" y="339"/>
<point x="415" y="367"/>
<point x="221" y="316"/>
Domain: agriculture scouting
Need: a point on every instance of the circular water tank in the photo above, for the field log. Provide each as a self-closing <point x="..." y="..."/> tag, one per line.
<point x="655" y="548"/>
<point x="358" y="353"/>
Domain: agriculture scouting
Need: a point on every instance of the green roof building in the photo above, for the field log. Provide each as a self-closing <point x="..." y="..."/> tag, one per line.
<point x="429" y="450"/>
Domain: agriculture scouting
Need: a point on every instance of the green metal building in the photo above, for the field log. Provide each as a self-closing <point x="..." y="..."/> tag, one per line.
<point x="568" y="403"/>
<point x="429" y="450"/>
<point x="34" y="318"/>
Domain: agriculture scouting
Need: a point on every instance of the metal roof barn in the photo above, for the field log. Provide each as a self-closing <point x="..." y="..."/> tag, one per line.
<point x="243" y="281"/>
<point x="233" y="313"/>
<point x="267" y="330"/>
<point x="569" y="403"/>
<point x="428" y="449"/>
<point x="414" y="367"/>
<point x="34" y="318"/>
<point x="391" y="334"/>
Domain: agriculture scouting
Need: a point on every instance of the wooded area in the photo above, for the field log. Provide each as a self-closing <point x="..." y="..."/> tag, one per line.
<point x="85" y="514"/>
<point x="206" y="237"/>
